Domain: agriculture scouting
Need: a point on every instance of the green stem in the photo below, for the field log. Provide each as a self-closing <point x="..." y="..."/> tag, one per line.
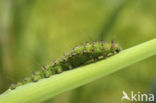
<point x="47" y="88"/>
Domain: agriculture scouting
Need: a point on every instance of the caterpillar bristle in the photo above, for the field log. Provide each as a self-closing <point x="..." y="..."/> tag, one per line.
<point x="47" y="73"/>
<point x="55" y="62"/>
<point x="112" y="44"/>
<point x="63" y="59"/>
<point x="105" y="56"/>
<point x="95" y="59"/>
<point x="44" y="68"/>
<point x="36" y="76"/>
<point x="103" y="49"/>
<point x="84" y="51"/>
<point x="27" y="80"/>
<point x="102" y="43"/>
<point x="93" y="49"/>
<point x="72" y="54"/>
<point x="93" y="44"/>
<point x="86" y="44"/>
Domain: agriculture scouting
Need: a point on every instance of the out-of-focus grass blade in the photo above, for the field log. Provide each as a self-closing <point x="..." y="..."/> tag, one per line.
<point x="108" y="25"/>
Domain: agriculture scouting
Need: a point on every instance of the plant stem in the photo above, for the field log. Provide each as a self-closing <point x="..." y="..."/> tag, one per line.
<point x="50" y="87"/>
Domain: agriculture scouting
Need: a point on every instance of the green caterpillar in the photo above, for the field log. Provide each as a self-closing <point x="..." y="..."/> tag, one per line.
<point x="78" y="56"/>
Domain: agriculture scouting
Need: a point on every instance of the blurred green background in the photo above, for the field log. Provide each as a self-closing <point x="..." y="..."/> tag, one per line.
<point x="36" y="32"/>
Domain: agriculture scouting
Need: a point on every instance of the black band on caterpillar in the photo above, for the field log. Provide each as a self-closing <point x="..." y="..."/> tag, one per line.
<point x="80" y="55"/>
